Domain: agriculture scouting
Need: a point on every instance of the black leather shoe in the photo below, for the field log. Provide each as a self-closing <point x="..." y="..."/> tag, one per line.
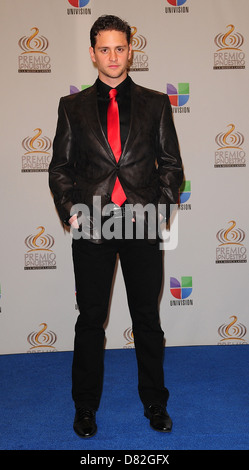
<point x="84" y="422"/>
<point x="159" y="418"/>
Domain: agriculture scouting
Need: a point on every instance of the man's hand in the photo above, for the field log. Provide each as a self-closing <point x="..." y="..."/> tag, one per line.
<point x="74" y="221"/>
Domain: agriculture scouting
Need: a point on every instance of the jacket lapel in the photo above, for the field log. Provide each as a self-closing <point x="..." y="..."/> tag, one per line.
<point x="90" y="108"/>
<point x="136" y="104"/>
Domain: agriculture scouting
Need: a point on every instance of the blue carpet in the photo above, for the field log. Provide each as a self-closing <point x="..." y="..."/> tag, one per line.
<point x="209" y="402"/>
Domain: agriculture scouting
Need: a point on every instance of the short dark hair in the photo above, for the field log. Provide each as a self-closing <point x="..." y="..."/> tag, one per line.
<point x="109" y="23"/>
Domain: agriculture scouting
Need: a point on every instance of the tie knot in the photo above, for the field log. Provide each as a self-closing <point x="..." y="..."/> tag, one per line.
<point x="113" y="93"/>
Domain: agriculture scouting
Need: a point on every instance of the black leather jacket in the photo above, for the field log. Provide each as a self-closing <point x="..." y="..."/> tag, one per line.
<point x="83" y="165"/>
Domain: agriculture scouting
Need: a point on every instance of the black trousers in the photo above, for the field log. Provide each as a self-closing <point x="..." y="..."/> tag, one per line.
<point x="94" y="266"/>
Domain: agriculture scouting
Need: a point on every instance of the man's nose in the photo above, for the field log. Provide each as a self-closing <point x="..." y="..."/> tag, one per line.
<point x="113" y="56"/>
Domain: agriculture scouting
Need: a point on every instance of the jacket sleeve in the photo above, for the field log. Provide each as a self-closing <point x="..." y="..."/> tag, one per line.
<point x="169" y="160"/>
<point x="61" y="169"/>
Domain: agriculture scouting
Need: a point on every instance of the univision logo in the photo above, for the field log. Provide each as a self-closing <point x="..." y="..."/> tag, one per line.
<point x="74" y="89"/>
<point x="78" y="3"/>
<point x="79" y="7"/>
<point x="177" y="6"/>
<point x="181" y="290"/>
<point x="176" y="2"/>
<point x="184" y="196"/>
<point x="179" y="96"/>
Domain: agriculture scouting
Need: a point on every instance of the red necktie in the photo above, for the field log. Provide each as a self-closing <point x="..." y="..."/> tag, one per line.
<point x="113" y="135"/>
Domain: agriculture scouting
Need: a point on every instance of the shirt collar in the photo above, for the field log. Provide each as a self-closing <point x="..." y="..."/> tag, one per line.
<point x="103" y="89"/>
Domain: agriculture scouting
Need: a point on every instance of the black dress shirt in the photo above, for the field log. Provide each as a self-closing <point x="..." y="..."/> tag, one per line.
<point x="124" y="105"/>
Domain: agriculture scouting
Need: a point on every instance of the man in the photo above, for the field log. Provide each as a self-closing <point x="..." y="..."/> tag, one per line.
<point x="144" y="168"/>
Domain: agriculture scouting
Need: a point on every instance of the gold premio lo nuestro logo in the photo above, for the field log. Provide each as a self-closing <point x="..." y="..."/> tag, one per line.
<point x="140" y="60"/>
<point x="129" y="337"/>
<point x="42" y="340"/>
<point x="40" y="254"/>
<point x="37" y="155"/>
<point x="233" y="333"/>
<point x="229" y="54"/>
<point x="229" y="151"/>
<point x="231" y="249"/>
<point x="34" y="58"/>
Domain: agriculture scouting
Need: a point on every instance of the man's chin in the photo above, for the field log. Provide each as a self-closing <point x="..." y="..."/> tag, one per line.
<point x="113" y="75"/>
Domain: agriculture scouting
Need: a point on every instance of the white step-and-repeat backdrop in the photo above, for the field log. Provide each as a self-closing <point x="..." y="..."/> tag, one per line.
<point x="197" y="51"/>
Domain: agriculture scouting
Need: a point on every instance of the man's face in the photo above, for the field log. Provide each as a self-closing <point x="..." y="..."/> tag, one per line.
<point x="111" y="56"/>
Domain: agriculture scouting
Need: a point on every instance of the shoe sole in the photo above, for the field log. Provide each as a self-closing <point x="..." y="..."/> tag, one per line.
<point x="85" y="437"/>
<point x="155" y="429"/>
<point x="167" y="431"/>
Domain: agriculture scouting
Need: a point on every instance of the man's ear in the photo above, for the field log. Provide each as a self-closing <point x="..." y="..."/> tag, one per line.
<point x="130" y="51"/>
<point x="92" y="54"/>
